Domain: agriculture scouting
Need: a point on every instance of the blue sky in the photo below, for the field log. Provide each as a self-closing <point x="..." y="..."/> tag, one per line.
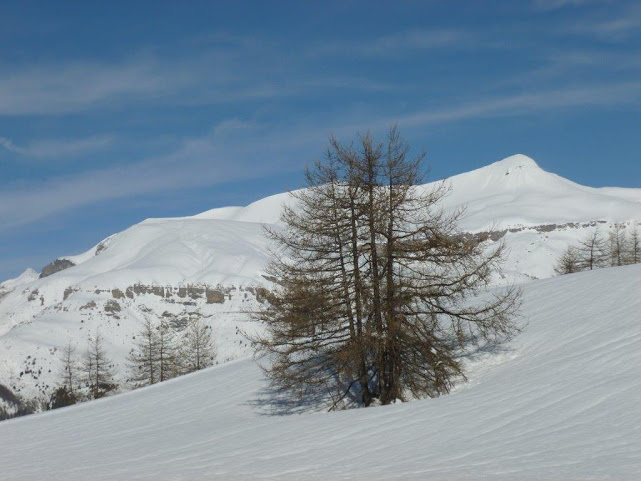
<point x="111" y="112"/>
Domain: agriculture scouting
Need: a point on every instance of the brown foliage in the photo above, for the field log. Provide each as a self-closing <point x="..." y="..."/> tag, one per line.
<point x="377" y="290"/>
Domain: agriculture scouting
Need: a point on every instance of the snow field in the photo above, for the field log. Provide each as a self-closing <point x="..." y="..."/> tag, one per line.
<point x="227" y="248"/>
<point x="559" y="403"/>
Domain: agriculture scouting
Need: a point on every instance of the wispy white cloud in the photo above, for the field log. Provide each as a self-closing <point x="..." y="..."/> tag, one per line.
<point x="235" y="150"/>
<point x="397" y="43"/>
<point x="234" y="72"/>
<point x="58" y="148"/>
<point x="75" y="86"/>
<point x="617" y="25"/>
<point x="556" y="4"/>
<point x="214" y="68"/>
<point x="625" y="95"/>
<point x="221" y="69"/>
<point x="565" y="65"/>
<point x="9" y="145"/>
<point x="532" y="103"/>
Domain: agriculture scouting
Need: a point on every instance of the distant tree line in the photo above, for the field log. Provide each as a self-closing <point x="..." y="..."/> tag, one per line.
<point x="84" y="377"/>
<point x="158" y="354"/>
<point x="617" y="247"/>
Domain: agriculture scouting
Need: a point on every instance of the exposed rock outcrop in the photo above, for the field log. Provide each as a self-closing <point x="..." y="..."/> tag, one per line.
<point x="112" y="308"/>
<point x="215" y="297"/>
<point x="100" y="247"/>
<point x="56" y="266"/>
<point x="193" y="292"/>
<point x="499" y="234"/>
<point x="68" y="292"/>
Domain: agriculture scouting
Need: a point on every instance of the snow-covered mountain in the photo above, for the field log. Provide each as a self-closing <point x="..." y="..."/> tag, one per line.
<point x="27" y="276"/>
<point x="517" y="192"/>
<point x="561" y="402"/>
<point x="210" y="265"/>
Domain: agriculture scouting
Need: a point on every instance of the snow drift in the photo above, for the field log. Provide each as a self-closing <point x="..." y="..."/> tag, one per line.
<point x="560" y="402"/>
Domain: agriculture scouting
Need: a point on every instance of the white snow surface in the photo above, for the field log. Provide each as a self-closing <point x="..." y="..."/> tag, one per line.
<point x="561" y="402"/>
<point x="226" y="249"/>
<point x="27" y="276"/>
<point x="227" y="246"/>
<point x="517" y="192"/>
<point x="512" y="192"/>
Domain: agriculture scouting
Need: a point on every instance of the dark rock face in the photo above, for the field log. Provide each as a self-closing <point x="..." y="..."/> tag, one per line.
<point x="195" y="292"/>
<point x="7" y="396"/>
<point x="215" y="297"/>
<point x="56" y="266"/>
<point x="499" y="234"/>
<point x="112" y="306"/>
<point x="139" y="289"/>
<point x="99" y="248"/>
<point x="67" y="293"/>
<point x="117" y="294"/>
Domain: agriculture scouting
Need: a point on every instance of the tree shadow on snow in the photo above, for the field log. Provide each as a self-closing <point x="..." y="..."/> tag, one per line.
<point x="272" y="401"/>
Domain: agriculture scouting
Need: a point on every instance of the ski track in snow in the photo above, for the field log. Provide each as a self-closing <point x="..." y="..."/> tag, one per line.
<point x="561" y="404"/>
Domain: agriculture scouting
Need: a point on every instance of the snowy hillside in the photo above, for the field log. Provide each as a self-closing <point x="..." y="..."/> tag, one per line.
<point x="208" y="266"/>
<point x="27" y="276"/>
<point x="513" y="192"/>
<point x="561" y="402"/>
<point x="517" y="192"/>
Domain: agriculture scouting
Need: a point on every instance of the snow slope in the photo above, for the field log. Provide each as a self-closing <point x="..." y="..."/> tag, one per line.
<point x="27" y="276"/>
<point x="226" y="245"/>
<point x="561" y="403"/>
<point x="206" y="265"/>
<point x="512" y="192"/>
<point x="517" y="192"/>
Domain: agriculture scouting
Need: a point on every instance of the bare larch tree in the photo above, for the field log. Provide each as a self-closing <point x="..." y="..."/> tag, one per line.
<point x="378" y="292"/>
<point x="166" y="353"/>
<point x="592" y="251"/>
<point x="154" y="357"/>
<point x="66" y="392"/>
<point x="70" y="367"/>
<point x="618" y="245"/>
<point x="197" y="350"/>
<point x="569" y="262"/>
<point x="97" y="368"/>
<point x="634" y="246"/>
<point x="143" y="358"/>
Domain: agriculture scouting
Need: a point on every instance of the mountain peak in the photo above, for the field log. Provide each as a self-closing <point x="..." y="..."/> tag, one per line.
<point x="27" y="276"/>
<point x="516" y="161"/>
<point x="514" y="172"/>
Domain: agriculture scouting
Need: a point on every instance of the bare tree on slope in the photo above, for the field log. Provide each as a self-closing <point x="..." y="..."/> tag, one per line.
<point x="97" y="368"/>
<point x="197" y="348"/>
<point x="592" y="251"/>
<point x="377" y="288"/>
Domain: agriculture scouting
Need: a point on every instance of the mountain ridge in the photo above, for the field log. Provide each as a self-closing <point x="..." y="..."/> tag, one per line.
<point x="209" y="265"/>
